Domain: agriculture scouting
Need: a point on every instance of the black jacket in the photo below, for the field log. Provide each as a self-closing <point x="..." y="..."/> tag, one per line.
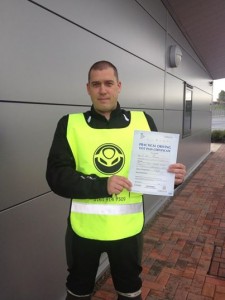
<point x="61" y="173"/>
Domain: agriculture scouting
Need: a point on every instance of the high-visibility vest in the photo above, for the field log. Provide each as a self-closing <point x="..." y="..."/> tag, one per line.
<point x="105" y="152"/>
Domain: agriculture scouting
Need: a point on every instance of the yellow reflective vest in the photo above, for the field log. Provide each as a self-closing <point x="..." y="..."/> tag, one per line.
<point x="105" y="152"/>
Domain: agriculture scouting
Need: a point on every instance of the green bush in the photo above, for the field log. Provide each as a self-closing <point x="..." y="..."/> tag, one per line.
<point x="218" y="136"/>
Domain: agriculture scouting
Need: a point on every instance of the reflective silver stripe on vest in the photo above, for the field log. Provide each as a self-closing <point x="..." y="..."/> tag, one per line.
<point x="106" y="209"/>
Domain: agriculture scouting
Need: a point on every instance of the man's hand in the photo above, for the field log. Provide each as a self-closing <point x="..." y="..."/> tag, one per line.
<point x="180" y="172"/>
<point x="117" y="183"/>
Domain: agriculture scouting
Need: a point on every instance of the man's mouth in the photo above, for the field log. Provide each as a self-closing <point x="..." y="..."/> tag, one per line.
<point x="103" y="99"/>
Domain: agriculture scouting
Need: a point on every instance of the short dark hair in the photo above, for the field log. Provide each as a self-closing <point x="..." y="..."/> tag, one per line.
<point x="101" y="65"/>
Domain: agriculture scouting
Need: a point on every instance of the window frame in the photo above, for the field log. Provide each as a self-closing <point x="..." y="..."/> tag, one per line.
<point x="187" y="110"/>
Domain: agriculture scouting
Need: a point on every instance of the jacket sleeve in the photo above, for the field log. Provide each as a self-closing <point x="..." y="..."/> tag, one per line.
<point x="61" y="173"/>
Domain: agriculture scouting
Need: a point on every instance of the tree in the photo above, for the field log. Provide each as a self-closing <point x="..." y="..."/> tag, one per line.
<point x="221" y="96"/>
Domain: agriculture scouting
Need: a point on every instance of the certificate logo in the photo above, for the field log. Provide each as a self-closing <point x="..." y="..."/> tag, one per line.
<point x="109" y="159"/>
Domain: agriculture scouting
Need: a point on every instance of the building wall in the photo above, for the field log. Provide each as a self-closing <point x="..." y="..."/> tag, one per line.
<point x="46" y="50"/>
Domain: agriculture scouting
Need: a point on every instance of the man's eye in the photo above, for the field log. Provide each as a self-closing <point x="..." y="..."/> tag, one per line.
<point x="95" y="84"/>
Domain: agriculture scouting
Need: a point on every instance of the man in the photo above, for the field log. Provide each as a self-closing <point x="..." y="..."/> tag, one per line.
<point x="89" y="162"/>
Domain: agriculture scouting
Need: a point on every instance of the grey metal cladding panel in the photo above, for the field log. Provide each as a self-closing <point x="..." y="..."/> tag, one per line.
<point x="124" y="23"/>
<point x="188" y="153"/>
<point x="201" y="100"/>
<point x="50" y="65"/>
<point x="26" y="133"/>
<point x="32" y="252"/>
<point x="189" y="70"/>
<point x="157" y="116"/>
<point x="41" y="56"/>
<point x="194" y="149"/>
<point x="174" y="93"/>
<point x="142" y="85"/>
<point x="152" y="205"/>
<point x="201" y="121"/>
<point x="150" y="202"/>
<point x="178" y="36"/>
<point x="173" y="121"/>
<point x="156" y="9"/>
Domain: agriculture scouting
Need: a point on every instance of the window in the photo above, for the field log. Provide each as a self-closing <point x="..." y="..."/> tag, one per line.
<point x="187" y="110"/>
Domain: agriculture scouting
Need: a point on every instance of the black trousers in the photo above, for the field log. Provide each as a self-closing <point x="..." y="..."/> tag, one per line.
<point x="83" y="260"/>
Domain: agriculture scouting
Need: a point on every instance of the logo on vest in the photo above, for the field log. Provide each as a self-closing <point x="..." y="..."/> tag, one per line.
<point x="109" y="159"/>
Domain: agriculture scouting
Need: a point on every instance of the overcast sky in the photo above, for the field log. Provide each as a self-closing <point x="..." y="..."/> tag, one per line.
<point x="218" y="85"/>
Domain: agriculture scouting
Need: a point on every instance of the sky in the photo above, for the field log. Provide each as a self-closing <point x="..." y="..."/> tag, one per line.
<point x="218" y="86"/>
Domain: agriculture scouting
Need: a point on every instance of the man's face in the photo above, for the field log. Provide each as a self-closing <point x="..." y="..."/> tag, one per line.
<point x="104" y="89"/>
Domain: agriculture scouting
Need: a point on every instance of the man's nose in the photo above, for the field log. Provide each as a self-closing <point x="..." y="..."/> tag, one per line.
<point x="102" y="89"/>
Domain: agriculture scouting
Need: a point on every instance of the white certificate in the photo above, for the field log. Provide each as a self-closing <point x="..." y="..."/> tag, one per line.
<point x="152" y="154"/>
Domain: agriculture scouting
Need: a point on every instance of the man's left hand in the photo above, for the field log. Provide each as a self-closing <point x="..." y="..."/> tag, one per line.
<point x="180" y="172"/>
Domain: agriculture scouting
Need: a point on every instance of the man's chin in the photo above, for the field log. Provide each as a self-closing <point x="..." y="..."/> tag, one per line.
<point x="105" y="109"/>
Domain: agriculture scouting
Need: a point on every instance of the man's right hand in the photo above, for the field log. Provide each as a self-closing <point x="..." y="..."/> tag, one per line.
<point x="116" y="184"/>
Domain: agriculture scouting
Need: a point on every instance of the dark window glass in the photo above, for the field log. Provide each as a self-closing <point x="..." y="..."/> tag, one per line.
<point x="187" y="110"/>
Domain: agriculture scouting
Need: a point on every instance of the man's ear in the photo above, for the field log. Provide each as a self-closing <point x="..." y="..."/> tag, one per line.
<point x="119" y="84"/>
<point x="88" y="88"/>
